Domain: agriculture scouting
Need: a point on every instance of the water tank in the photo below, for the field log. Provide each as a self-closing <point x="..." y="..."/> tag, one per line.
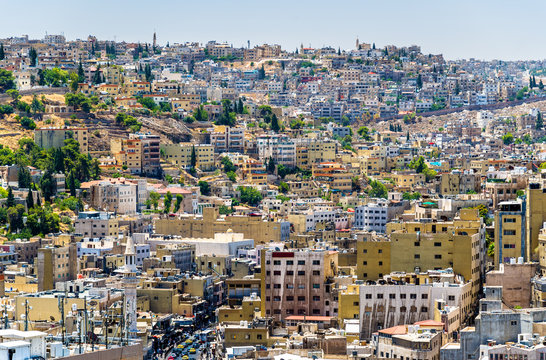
<point x="512" y="261"/>
<point x="520" y="260"/>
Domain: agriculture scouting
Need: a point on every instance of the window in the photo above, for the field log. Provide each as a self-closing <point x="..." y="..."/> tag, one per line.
<point x="509" y="220"/>
<point x="289" y="262"/>
<point x="316" y="262"/>
<point x="364" y="263"/>
<point x="276" y="286"/>
<point x="368" y="296"/>
<point x="365" y="251"/>
<point x="402" y="309"/>
<point x="413" y="296"/>
<point x="392" y="296"/>
<point x="355" y="303"/>
<point x="509" y="232"/>
<point x="316" y="273"/>
<point x="268" y="286"/>
<point x="289" y="298"/>
<point x="301" y="272"/>
<point x="416" y="256"/>
<point x="379" y="251"/>
<point x="301" y="262"/>
<point x="316" y="286"/>
<point x="259" y="336"/>
<point x="276" y="298"/>
<point x="424" y="296"/>
<point x="277" y="273"/>
<point x="402" y="296"/>
<point x="289" y="273"/>
<point x="509" y="246"/>
<point x="437" y="256"/>
<point x="513" y="322"/>
<point x="276" y="262"/>
<point x="301" y="298"/>
<point x="380" y="296"/>
<point x="301" y="286"/>
<point x="417" y="243"/>
<point x="437" y="244"/>
<point x="289" y="286"/>
<point x="451" y="297"/>
<point x="316" y="298"/>
<point x="424" y="309"/>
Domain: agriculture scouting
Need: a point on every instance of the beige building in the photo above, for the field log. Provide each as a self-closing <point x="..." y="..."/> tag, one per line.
<point x="181" y="154"/>
<point x="56" y="264"/>
<point x="49" y="138"/>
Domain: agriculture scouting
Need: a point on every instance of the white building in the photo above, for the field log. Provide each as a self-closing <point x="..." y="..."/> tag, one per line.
<point x="371" y="217"/>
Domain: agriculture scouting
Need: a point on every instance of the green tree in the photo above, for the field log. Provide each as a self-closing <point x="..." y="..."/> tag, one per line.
<point x="167" y="202"/>
<point x="283" y="187"/>
<point x="204" y="187"/>
<point x="508" y="139"/>
<point x="24" y="178"/>
<point x="71" y="183"/>
<point x="154" y="199"/>
<point x="10" y="200"/>
<point x="231" y="176"/>
<point x="419" y="82"/>
<point x="241" y="107"/>
<point x="48" y="186"/>
<point x="81" y="73"/>
<point x="228" y="165"/>
<point x="378" y="190"/>
<point x="275" y="123"/>
<point x="193" y="158"/>
<point x="15" y="218"/>
<point x="30" y="200"/>
<point x="250" y="195"/>
<point x="364" y="133"/>
<point x="200" y="114"/>
<point x="2" y="52"/>
<point x="33" y="56"/>
<point x="178" y="202"/>
<point x="36" y="106"/>
<point x="7" y="81"/>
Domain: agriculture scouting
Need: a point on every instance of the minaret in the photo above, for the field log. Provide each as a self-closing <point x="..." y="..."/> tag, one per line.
<point x="130" y="282"/>
<point x="357" y="43"/>
<point x="155" y="40"/>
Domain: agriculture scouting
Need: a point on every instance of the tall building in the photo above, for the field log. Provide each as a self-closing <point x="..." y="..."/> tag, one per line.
<point x="509" y="232"/>
<point x="298" y="283"/>
<point x="130" y="282"/>
<point x="56" y="264"/>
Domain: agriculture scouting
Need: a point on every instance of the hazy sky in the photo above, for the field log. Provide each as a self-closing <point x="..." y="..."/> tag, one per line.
<point x="483" y="29"/>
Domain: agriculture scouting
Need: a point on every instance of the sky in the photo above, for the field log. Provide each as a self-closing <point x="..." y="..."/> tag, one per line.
<point x="481" y="29"/>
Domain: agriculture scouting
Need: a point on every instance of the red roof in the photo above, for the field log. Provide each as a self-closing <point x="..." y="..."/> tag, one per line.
<point x="395" y="330"/>
<point x="309" y="318"/>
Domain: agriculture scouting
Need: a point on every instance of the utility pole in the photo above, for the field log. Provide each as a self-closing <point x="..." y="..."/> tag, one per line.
<point x="61" y="309"/>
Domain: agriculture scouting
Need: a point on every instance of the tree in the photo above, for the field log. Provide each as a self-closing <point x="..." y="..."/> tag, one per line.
<point x="178" y="202"/>
<point x="541" y="85"/>
<point x="250" y="195"/>
<point x="419" y="82"/>
<point x="48" y="186"/>
<point x="355" y="184"/>
<point x="508" y="139"/>
<point x="10" y="200"/>
<point x="24" y="178"/>
<point x="204" y="187"/>
<point x="154" y="199"/>
<point x="193" y="158"/>
<point x="33" y="56"/>
<point x="364" y="133"/>
<point x="200" y="114"/>
<point x="71" y="183"/>
<point x="411" y="196"/>
<point x="7" y="81"/>
<point x="36" y="105"/>
<point x="261" y="73"/>
<point x="13" y="94"/>
<point x="271" y="166"/>
<point x="2" y="53"/>
<point x="275" y="123"/>
<point x="241" y="107"/>
<point x="30" y="200"/>
<point x="15" y="218"/>
<point x="378" y="190"/>
<point x="283" y="187"/>
<point x="540" y="121"/>
<point x="228" y="165"/>
<point x="81" y="73"/>
<point x="167" y="201"/>
<point x="232" y="176"/>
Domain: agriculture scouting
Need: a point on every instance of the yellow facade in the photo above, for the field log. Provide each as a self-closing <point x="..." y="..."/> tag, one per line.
<point x="534" y="218"/>
<point x="251" y="227"/>
<point x="180" y="154"/>
<point x="349" y="303"/>
<point x="373" y="258"/>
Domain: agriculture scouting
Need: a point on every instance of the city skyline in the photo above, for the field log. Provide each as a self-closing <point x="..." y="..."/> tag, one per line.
<point x="459" y="30"/>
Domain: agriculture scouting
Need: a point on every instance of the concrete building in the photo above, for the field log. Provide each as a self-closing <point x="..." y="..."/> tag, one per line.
<point x="510" y="232"/>
<point x="96" y="224"/>
<point x="253" y="227"/>
<point x="53" y="138"/>
<point x="298" y="283"/>
<point x="408" y="342"/>
<point x="55" y="264"/>
<point x="180" y="154"/>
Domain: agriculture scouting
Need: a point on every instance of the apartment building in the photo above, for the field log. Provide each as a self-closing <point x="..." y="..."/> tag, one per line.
<point x="116" y="197"/>
<point x="139" y="153"/>
<point x="96" y="224"/>
<point x="298" y="283"/>
<point x="334" y="175"/>
<point x="181" y="154"/>
<point x="227" y="139"/>
<point x="278" y="147"/>
<point x="205" y="226"/>
<point x="56" y="264"/>
<point x="509" y="232"/>
<point x="53" y="138"/>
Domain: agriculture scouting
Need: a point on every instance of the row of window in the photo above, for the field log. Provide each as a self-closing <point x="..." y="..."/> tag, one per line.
<point x="291" y="262"/>
<point x="291" y="273"/>
<point x="290" y="286"/>
<point x="291" y="298"/>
